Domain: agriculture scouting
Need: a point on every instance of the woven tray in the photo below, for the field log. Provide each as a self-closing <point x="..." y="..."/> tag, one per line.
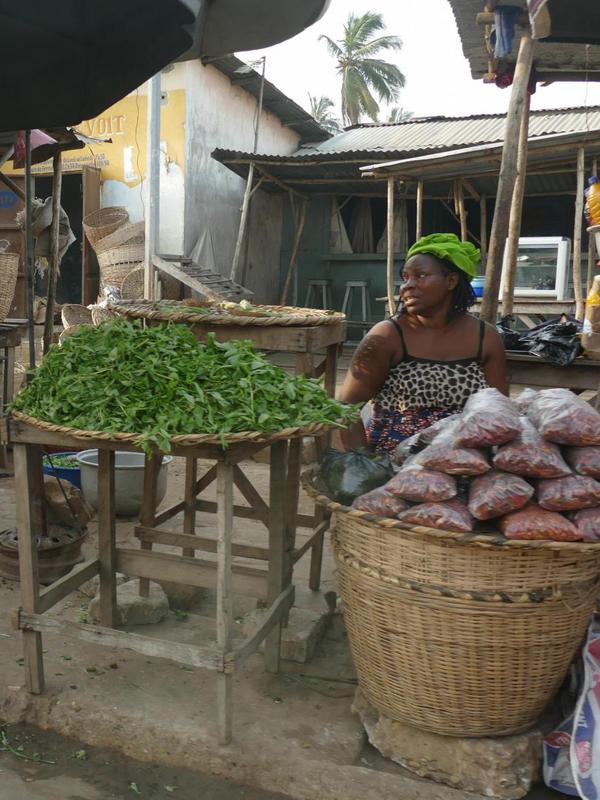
<point x="489" y="539"/>
<point x="185" y="440"/>
<point x="217" y="314"/>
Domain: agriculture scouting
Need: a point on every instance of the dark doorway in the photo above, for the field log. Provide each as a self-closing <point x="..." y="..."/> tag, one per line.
<point x="68" y="288"/>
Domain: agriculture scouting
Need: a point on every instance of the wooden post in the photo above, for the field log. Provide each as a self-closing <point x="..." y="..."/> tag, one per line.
<point x="152" y="186"/>
<point x="390" y="246"/>
<point x="577" y="287"/>
<point x="419" y="227"/>
<point x="506" y="180"/>
<point x="298" y="230"/>
<point x="152" y="467"/>
<point x="277" y="562"/>
<point x="516" y="212"/>
<point x="483" y="228"/>
<point x="236" y="264"/>
<point x="462" y="214"/>
<point x="27" y="460"/>
<point x="29" y="249"/>
<point x="54" y="251"/>
<point x="591" y="245"/>
<point x="224" y="593"/>
<point x="106" y="537"/>
<point x="189" y="513"/>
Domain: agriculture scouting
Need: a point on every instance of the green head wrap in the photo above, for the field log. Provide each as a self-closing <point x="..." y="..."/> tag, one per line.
<point x="463" y="255"/>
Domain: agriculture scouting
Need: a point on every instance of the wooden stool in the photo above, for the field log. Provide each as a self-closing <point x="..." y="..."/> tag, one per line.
<point x="316" y="286"/>
<point x="362" y="287"/>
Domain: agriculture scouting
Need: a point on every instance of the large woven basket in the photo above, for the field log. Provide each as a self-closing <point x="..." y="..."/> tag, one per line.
<point x="131" y="233"/>
<point x="9" y="267"/>
<point x="462" y="635"/>
<point x="104" y="221"/>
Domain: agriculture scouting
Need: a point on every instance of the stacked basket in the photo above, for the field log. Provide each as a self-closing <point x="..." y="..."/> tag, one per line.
<point x="9" y="267"/>
<point x="119" y="246"/>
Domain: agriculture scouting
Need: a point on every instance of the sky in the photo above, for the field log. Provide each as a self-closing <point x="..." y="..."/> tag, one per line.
<point x="438" y="80"/>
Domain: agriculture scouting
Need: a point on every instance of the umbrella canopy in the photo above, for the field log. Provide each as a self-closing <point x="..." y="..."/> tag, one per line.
<point x="68" y="61"/>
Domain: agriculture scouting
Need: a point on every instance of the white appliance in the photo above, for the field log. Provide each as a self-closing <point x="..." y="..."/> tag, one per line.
<point x="542" y="268"/>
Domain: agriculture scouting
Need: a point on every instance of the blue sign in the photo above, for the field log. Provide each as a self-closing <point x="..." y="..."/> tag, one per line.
<point x="8" y="199"/>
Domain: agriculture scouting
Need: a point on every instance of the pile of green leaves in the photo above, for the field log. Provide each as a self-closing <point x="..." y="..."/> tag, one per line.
<point x="160" y="381"/>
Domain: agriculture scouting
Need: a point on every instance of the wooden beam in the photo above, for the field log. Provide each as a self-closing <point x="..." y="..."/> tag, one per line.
<point x="299" y="228"/>
<point x="489" y="18"/>
<point x="390" y="247"/>
<point x="192" y="542"/>
<point x="194" y="283"/>
<point x="12" y="186"/>
<point x="471" y="189"/>
<point x="506" y="180"/>
<point x="54" y="265"/>
<point x="419" y="226"/>
<point x="462" y="213"/>
<point x="516" y="212"/>
<point x="452" y="214"/>
<point x="57" y="591"/>
<point x="236" y="264"/>
<point x="286" y="187"/>
<point x="577" y="230"/>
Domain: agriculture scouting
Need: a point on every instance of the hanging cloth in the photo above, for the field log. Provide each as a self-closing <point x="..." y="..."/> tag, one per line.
<point x="539" y="16"/>
<point x="338" y="236"/>
<point x="361" y="226"/>
<point x="503" y="34"/>
<point x="400" y="230"/>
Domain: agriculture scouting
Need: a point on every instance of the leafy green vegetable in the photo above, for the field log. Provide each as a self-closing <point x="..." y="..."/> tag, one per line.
<point x="61" y="461"/>
<point x="160" y="381"/>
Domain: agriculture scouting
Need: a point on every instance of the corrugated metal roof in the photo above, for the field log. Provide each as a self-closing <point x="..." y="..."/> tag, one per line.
<point x="442" y="133"/>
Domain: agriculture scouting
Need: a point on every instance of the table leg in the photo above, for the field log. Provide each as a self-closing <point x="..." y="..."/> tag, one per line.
<point x="189" y="513"/>
<point x="106" y="538"/>
<point x="30" y="524"/>
<point x="148" y="513"/>
<point x="316" y="552"/>
<point x="224" y="594"/>
<point x="277" y="544"/>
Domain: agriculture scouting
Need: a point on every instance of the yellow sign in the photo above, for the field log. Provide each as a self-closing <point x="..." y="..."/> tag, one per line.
<point x="124" y="157"/>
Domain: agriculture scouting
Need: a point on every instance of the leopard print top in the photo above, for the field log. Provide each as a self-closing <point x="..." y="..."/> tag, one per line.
<point x="427" y="383"/>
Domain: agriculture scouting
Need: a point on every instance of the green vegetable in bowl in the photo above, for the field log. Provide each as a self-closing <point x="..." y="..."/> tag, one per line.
<point x="69" y="462"/>
<point x="160" y="382"/>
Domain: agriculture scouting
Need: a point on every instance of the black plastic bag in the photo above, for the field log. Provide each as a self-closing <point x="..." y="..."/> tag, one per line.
<point x="510" y="337"/>
<point x="556" y="341"/>
<point x="346" y="476"/>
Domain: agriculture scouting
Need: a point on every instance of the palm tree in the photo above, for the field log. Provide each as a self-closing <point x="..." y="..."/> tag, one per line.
<point x="362" y="72"/>
<point x="320" y="110"/>
<point x="399" y="114"/>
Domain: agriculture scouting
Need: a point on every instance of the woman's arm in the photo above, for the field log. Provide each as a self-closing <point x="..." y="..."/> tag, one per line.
<point x="494" y="360"/>
<point x="367" y="372"/>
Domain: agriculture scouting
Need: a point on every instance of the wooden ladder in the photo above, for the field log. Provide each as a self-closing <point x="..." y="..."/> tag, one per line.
<point x="203" y="280"/>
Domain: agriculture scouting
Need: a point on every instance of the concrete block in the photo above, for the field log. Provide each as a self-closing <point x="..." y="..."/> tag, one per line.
<point x="90" y="588"/>
<point x="505" y="767"/>
<point x="133" y="609"/>
<point x="300" y="638"/>
<point x="182" y="597"/>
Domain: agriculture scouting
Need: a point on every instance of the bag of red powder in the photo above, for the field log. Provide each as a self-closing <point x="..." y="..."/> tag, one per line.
<point x="562" y="417"/>
<point x="568" y="494"/>
<point x="419" y="485"/>
<point x="421" y="439"/>
<point x="445" y="456"/>
<point x="380" y="502"/>
<point x="531" y="456"/>
<point x="452" y="515"/>
<point x="533" y="522"/>
<point x="584" y="460"/>
<point x="587" y="522"/>
<point x="489" y="418"/>
<point x="498" y="493"/>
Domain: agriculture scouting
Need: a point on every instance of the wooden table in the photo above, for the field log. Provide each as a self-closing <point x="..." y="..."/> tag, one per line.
<point x="582" y="375"/>
<point x="271" y="584"/>
<point x="316" y="349"/>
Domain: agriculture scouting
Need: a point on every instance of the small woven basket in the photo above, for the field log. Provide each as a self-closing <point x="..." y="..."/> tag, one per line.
<point x="115" y="274"/>
<point x="132" y="287"/>
<point x="104" y="221"/>
<point x="100" y="315"/>
<point x="124" y="254"/>
<point x="131" y="233"/>
<point x="459" y="634"/>
<point x="9" y="267"/>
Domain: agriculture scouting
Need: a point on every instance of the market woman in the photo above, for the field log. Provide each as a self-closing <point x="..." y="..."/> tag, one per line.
<point x="427" y="360"/>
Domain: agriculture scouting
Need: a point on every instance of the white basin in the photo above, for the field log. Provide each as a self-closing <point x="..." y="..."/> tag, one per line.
<point x="129" y="480"/>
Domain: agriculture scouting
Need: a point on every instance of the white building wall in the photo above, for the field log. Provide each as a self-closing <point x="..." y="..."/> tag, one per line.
<point x="219" y="114"/>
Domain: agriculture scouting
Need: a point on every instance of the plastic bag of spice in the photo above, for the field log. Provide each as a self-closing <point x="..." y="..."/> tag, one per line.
<point x="497" y="493"/>
<point x="533" y="522"/>
<point x="419" y="485"/>
<point x="584" y="460"/>
<point x="348" y="475"/>
<point x="587" y="522"/>
<point x="415" y="443"/>
<point x="380" y="502"/>
<point x="562" y="417"/>
<point x="525" y="399"/>
<point x="453" y="515"/>
<point x="489" y="418"/>
<point x="444" y="455"/>
<point x="568" y="494"/>
<point x="531" y="456"/>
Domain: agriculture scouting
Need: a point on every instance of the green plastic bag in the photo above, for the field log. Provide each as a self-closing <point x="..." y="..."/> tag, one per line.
<point x="346" y="476"/>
